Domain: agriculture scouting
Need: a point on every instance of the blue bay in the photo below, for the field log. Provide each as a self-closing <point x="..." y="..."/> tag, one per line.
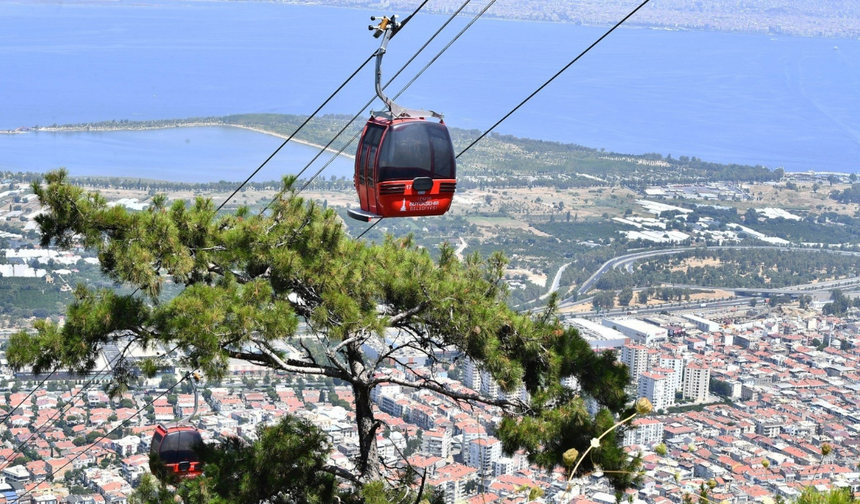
<point x="776" y="101"/>
<point x="196" y="154"/>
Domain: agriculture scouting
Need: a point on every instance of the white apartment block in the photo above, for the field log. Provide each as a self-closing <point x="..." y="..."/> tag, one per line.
<point x="471" y="375"/>
<point x="657" y="388"/>
<point x="648" y="432"/>
<point x="483" y="452"/>
<point x="671" y="379"/>
<point x="697" y="377"/>
<point x="489" y="387"/>
<point x="437" y="443"/>
<point x="504" y="465"/>
<point x="391" y="405"/>
<point x="453" y="479"/>
<point x="636" y="358"/>
<point x="702" y="324"/>
<point x="570" y="382"/>
<point x="470" y="432"/>
<point x="387" y="389"/>
<point x="677" y="364"/>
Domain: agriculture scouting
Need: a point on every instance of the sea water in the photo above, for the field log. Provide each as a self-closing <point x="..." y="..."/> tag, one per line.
<point x="734" y="98"/>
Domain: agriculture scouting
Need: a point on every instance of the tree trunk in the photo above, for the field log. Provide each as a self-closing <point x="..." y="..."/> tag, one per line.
<point x="368" y="456"/>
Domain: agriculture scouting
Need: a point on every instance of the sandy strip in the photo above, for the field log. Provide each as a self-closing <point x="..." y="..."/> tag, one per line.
<point x="62" y="129"/>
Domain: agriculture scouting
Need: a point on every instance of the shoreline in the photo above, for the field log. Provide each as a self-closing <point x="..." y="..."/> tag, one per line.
<point x="101" y="129"/>
<point x="303" y="142"/>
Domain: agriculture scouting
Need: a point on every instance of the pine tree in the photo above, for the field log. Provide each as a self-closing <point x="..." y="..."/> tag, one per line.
<point x="251" y="279"/>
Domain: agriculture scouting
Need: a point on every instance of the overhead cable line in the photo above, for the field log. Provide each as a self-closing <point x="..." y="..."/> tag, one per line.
<point x="545" y="84"/>
<point x="52" y="421"/>
<point x="420" y="72"/>
<point x="315" y="112"/>
<point x="440" y="53"/>
<point x="539" y="89"/>
<point x="370" y="102"/>
<point x="103" y="437"/>
<point x="11" y="411"/>
<point x="306" y="121"/>
<point x="369" y="228"/>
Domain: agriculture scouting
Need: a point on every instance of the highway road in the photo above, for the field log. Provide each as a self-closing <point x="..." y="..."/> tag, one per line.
<point x="628" y="260"/>
<point x="671" y="307"/>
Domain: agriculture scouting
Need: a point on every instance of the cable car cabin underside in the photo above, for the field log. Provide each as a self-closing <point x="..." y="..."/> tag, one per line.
<point x="404" y="167"/>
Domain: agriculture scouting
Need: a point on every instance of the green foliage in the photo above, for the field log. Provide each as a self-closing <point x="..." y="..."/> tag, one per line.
<point x="79" y="490"/>
<point x="249" y="279"/>
<point x="625" y="296"/>
<point x="286" y="465"/>
<point x="604" y="300"/>
<point x="841" y="229"/>
<point x="167" y="381"/>
<point x="150" y="492"/>
<point x="810" y="495"/>
<point x="839" y="304"/>
<point x="510" y="160"/>
<point x="413" y="444"/>
<point x="719" y="387"/>
<point x="570" y="426"/>
<point x="29" y="297"/>
<point x="273" y="395"/>
<point x="283" y="466"/>
<point x="591" y="230"/>
<point x="848" y="195"/>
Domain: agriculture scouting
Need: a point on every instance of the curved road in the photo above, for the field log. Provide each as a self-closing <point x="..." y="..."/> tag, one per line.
<point x="628" y="260"/>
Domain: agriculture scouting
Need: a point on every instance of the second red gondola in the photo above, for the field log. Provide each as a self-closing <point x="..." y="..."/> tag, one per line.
<point x="175" y="447"/>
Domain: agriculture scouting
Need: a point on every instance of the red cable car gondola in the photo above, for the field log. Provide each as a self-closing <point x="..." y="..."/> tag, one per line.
<point x="404" y="164"/>
<point x="174" y="447"/>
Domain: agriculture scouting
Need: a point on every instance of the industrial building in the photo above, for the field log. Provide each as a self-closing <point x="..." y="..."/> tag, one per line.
<point x="598" y="336"/>
<point x="638" y="331"/>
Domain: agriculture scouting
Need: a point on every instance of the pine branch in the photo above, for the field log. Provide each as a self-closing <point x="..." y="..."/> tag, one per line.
<point x="342" y="473"/>
<point x="432" y="385"/>
<point x="397" y="319"/>
<point x="295" y="366"/>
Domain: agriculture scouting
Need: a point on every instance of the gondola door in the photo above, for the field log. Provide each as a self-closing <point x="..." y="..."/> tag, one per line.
<point x="365" y="167"/>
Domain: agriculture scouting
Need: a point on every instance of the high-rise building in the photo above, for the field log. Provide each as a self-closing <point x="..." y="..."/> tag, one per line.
<point x="483" y="452"/>
<point x="697" y="377"/>
<point x="647" y="432"/>
<point x="636" y="358"/>
<point x="675" y="363"/>
<point x="436" y="442"/>
<point x="657" y="388"/>
<point x="489" y="387"/>
<point x="471" y="375"/>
